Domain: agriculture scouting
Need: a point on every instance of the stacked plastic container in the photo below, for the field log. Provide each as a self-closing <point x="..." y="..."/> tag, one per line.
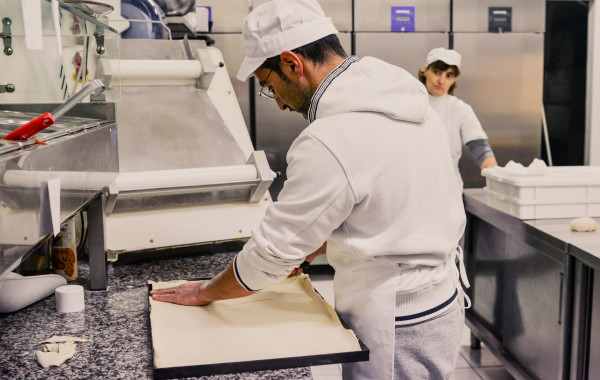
<point x="556" y="192"/>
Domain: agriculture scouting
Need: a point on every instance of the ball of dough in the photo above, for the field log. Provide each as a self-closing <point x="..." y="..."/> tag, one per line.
<point x="584" y="224"/>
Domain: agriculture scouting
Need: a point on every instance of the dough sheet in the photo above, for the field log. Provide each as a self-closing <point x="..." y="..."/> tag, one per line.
<point x="284" y="320"/>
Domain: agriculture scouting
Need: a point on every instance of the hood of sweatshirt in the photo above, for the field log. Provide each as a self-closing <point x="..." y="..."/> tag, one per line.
<point x="370" y="85"/>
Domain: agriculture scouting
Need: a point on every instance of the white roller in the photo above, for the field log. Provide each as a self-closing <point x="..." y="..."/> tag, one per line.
<point x="134" y="72"/>
<point x="68" y="180"/>
<point x="160" y="179"/>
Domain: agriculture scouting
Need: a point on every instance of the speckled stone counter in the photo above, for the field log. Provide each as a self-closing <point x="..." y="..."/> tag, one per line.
<point x="116" y="320"/>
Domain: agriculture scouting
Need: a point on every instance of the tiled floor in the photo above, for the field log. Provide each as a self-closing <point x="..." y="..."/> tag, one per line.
<point x="471" y="364"/>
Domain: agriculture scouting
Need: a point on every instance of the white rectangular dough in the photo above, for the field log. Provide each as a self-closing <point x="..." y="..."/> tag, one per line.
<point x="283" y="320"/>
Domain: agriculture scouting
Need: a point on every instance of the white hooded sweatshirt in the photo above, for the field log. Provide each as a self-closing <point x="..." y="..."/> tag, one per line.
<point x="373" y="176"/>
<point x="372" y="172"/>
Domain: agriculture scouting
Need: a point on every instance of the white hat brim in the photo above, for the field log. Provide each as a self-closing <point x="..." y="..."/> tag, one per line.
<point x="248" y="67"/>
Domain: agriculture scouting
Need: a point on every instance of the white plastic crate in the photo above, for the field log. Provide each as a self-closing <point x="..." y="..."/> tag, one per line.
<point x="537" y="210"/>
<point x="558" y="192"/>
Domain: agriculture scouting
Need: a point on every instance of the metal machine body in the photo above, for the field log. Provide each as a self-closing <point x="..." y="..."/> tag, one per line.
<point x="47" y="180"/>
<point x="43" y="185"/>
<point x="188" y="173"/>
<point x="181" y="170"/>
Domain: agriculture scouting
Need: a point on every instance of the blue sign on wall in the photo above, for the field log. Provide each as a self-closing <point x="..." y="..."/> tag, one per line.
<point x="403" y="19"/>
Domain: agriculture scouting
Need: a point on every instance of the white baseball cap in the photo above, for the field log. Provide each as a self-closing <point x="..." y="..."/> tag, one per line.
<point x="449" y="57"/>
<point x="281" y="25"/>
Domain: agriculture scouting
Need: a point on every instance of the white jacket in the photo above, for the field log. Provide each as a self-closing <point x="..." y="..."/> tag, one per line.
<point x="461" y="123"/>
<point x="371" y="175"/>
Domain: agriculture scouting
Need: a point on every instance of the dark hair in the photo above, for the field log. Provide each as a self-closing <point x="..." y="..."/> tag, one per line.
<point x="442" y="66"/>
<point x="318" y="52"/>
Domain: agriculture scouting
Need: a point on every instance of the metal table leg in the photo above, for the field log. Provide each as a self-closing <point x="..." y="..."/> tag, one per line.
<point x="475" y="342"/>
<point x="96" y="239"/>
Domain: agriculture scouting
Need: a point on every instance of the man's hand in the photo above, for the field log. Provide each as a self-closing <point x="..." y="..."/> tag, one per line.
<point x="309" y="259"/>
<point x="221" y="287"/>
<point x="189" y="294"/>
<point x="321" y="251"/>
<point x="489" y="162"/>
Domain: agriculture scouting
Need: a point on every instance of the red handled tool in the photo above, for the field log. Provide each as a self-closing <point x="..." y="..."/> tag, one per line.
<point x="42" y="122"/>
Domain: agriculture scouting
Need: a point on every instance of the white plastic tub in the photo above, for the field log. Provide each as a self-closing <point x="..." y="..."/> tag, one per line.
<point x="540" y="210"/>
<point x="559" y="192"/>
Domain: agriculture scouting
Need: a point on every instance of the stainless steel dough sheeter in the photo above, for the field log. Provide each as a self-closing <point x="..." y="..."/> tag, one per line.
<point x="188" y="173"/>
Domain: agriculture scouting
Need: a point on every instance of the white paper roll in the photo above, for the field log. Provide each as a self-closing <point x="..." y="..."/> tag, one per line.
<point x="160" y="179"/>
<point x="69" y="298"/>
<point x="139" y="69"/>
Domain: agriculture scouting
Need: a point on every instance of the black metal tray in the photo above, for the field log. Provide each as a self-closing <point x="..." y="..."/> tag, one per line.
<point x="257" y="365"/>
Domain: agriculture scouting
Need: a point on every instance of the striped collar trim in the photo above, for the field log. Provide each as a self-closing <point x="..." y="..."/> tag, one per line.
<point x="312" y="111"/>
<point x="239" y="278"/>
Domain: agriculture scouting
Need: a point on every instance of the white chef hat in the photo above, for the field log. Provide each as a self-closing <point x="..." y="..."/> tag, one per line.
<point x="280" y="25"/>
<point x="449" y="57"/>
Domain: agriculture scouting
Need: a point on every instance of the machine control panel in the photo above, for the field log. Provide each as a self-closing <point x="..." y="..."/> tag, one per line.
<point x="499" y="19"/>
<point x="403" y="19"/>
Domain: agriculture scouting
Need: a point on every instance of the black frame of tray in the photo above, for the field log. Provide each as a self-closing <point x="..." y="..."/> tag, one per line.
<point x="256" y="365"/>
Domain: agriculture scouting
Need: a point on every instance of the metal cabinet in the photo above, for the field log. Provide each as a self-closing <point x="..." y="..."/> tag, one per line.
<point x="475" y="16"/>
<point x="502" y="79"/>
<point x="487" y="273"/>
<point x="340" y="12"/>
<point x="520" y="292"/>
<point x="407" y="50"/>
<point x="581" y="301"/>
<point x="501" y="76"/>
<point x="427" y="15"/>
<point x="533" y="313"/>
<point x="227" y="16"/>
<point x="518" y="295"/>
<point x="585" y="356"/>
<point x="593" y="369"/>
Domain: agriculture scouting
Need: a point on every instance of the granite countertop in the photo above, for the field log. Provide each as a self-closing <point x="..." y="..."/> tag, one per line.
<point x="116" y="320"/>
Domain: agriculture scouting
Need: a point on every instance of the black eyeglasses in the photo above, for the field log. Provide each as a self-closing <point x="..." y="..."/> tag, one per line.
<point x="267" y="91"/>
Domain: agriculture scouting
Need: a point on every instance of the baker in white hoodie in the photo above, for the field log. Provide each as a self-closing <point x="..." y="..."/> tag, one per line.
<point x="371" y="176"/>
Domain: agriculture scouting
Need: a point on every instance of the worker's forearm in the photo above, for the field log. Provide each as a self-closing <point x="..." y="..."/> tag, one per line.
<point x="223" y="286"/>
<point x="489" y="162"/>
<point x="481" y="151"/>
<point x="321" y="251"/>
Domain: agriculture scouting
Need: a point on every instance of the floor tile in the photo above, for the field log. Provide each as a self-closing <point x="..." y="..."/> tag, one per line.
<point x="479" y="358"/>
<point x="464" y="374"/>
<point x="494" y="373"/>
<point x="461" y="362"/>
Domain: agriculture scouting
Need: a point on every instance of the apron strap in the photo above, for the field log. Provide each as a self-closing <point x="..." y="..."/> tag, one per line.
<point x="460" y="274"/>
